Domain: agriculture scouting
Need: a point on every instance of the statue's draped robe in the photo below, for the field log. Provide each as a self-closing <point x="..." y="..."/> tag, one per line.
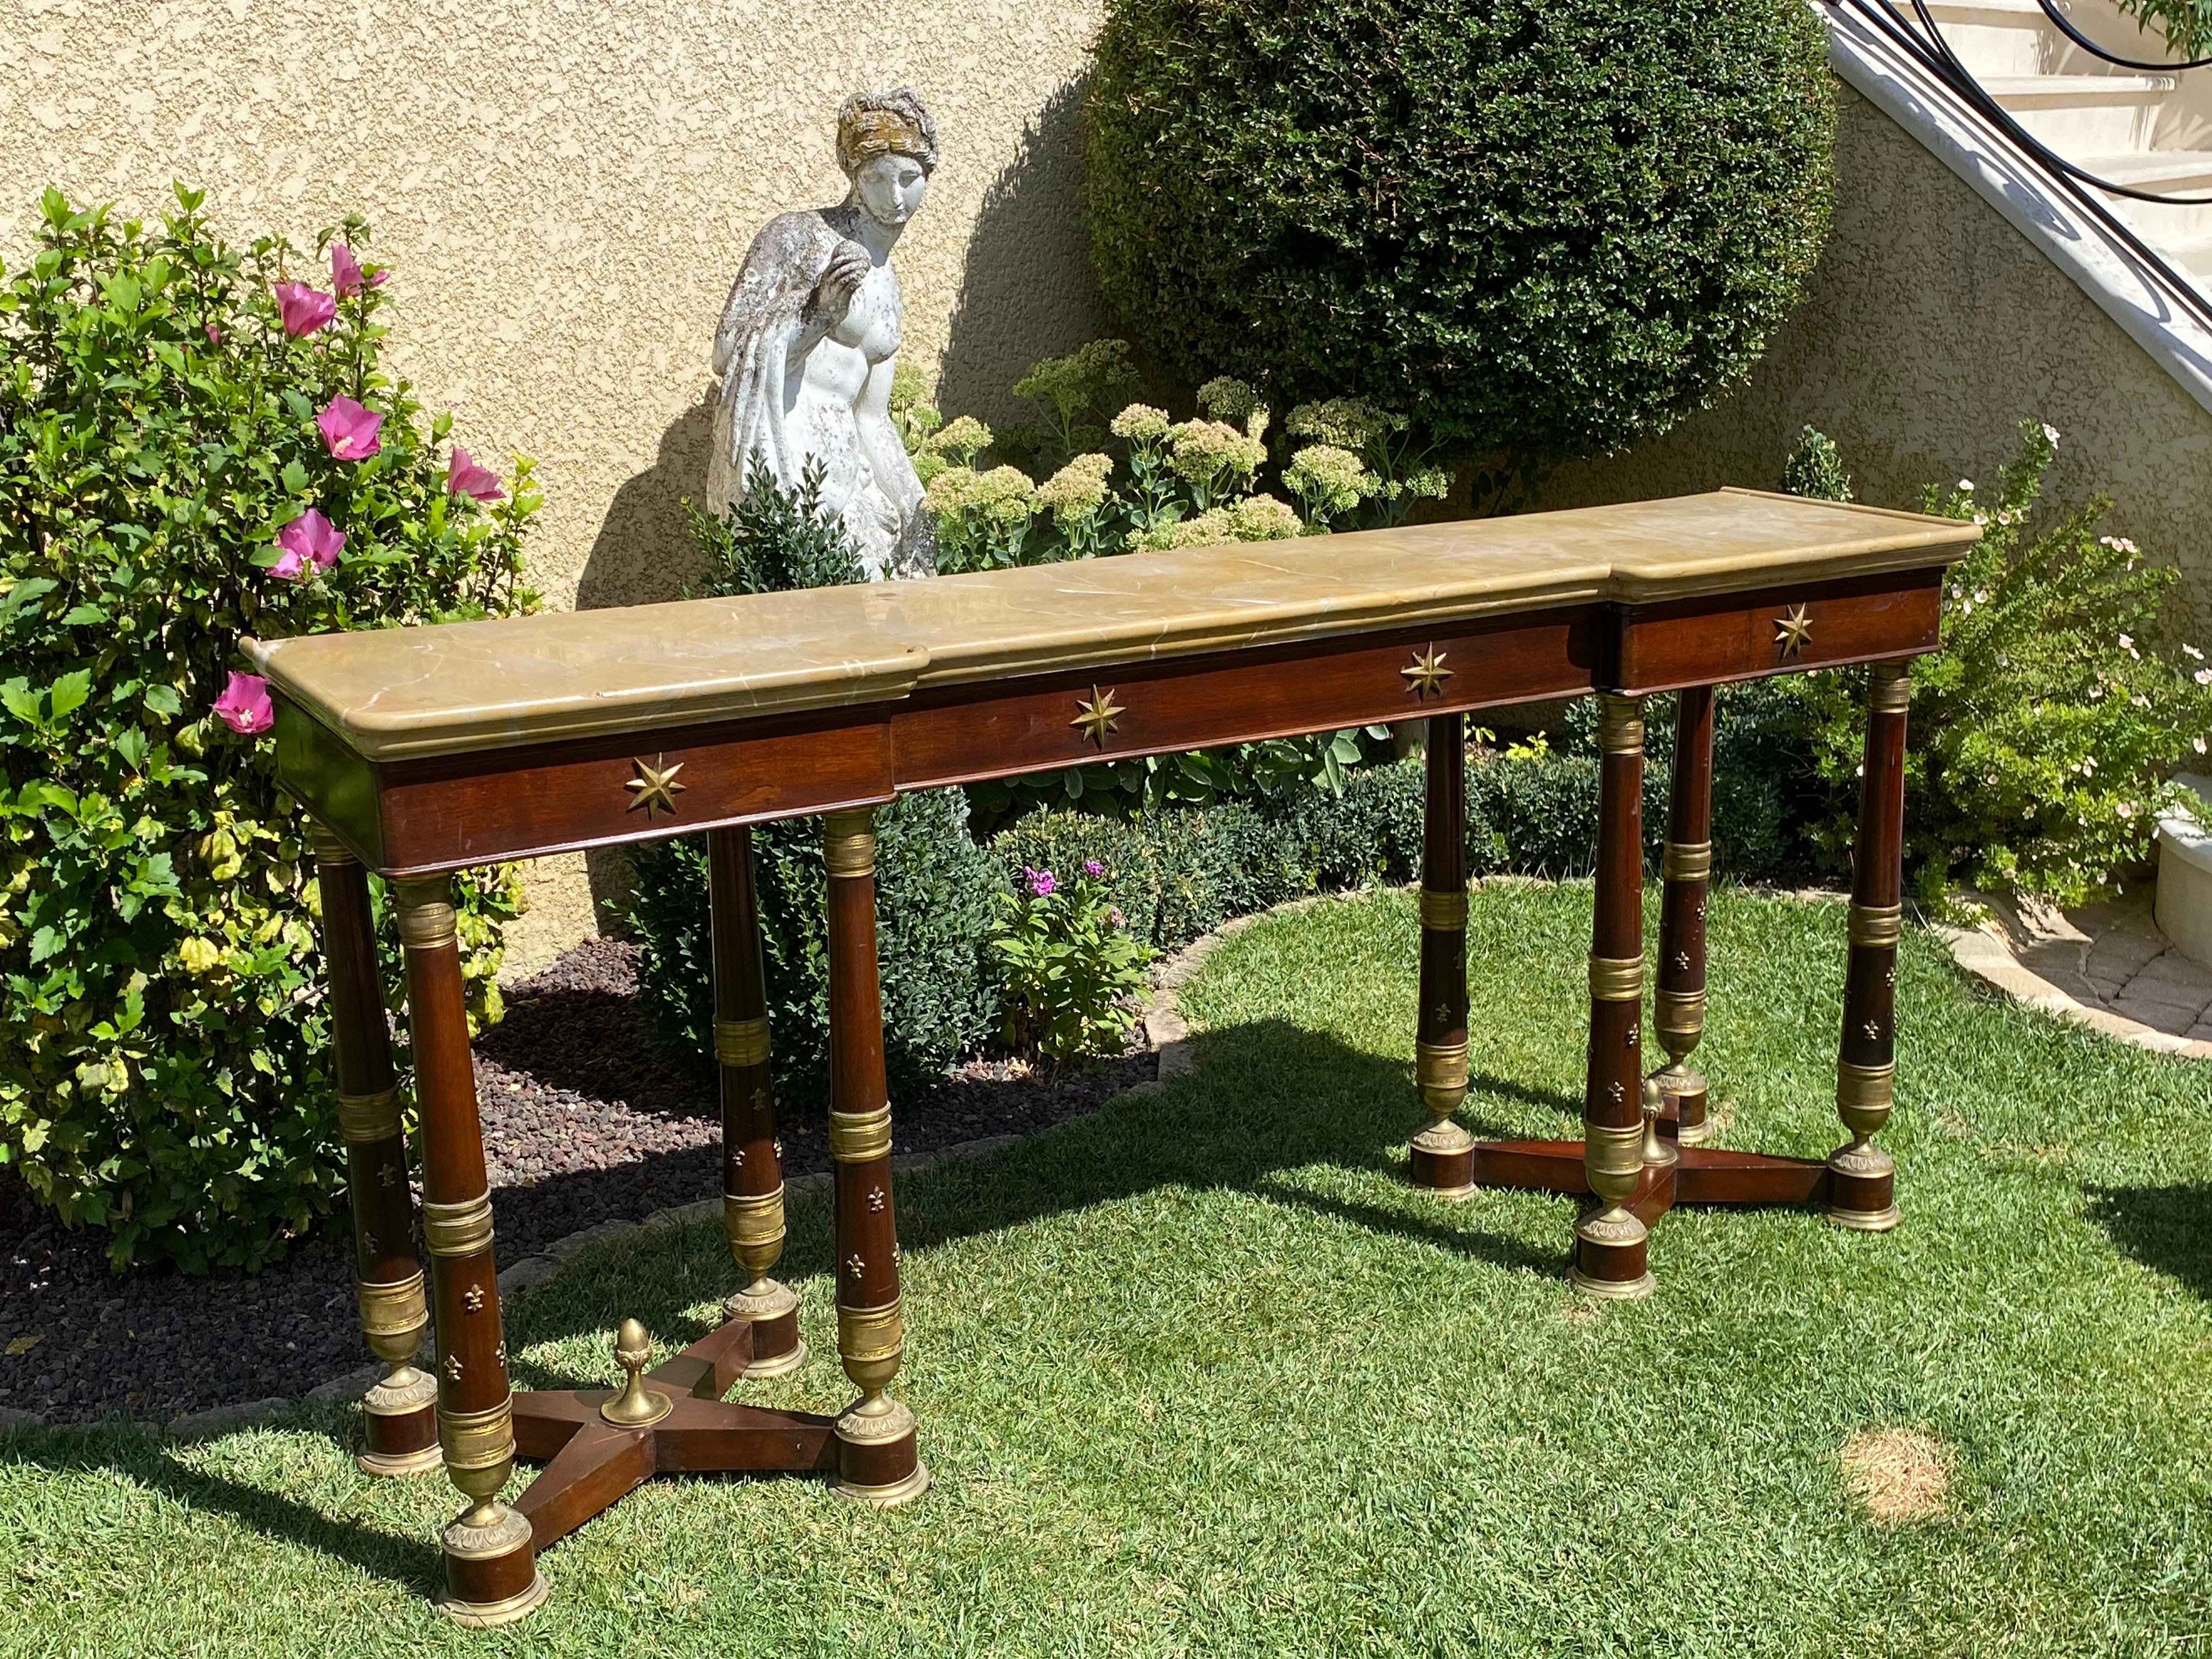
<point x="766" y="315"/>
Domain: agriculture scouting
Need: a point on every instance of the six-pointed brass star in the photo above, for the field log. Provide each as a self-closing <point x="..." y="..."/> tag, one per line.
<point x="655" y="786"/>
<point x="1428" y="673"/>
<point x="1099" y="716"/>
<point x="1792" y="629"/>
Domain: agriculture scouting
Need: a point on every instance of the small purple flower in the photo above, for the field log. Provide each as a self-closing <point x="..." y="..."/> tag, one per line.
<point x="1041" y="882"/>
<point x="1092" y="867"/>
<point x="1113" y="915"/>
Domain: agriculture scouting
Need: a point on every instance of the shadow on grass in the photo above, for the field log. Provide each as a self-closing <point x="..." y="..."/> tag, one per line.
<point x="1267" y="1099"/>
<point x="415" y="1562"/>
<point x="2168" y="1228"/>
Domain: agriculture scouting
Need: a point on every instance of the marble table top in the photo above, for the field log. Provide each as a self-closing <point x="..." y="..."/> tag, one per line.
<point x="392" y="693"/>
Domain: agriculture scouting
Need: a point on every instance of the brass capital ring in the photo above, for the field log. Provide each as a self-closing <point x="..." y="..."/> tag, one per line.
<point x="1616" y="979"/>
<point x="1619" y="724"/>
<point x="328" y="849"/>
<point x="363" y="1119"/>
<point x="1444" y="912"/>
<point x="426" y="912"/>
<point x="1874" y="924"/>
<point x="478" y="1440"/>
<point x="1687" y="860"/>
<point x="1889" y="689"/>
<point x="457" y="1230"/>
<point x="848" y="842"/>
<point x="741" y="1042"/>
<point x="860" y="1137"/>
<point x="870" y="1333"/>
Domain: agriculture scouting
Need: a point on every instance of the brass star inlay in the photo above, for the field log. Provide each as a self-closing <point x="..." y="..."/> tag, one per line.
<point x="1099" y="716"/>
<point x="655" y="786"/>
<point x="1427" y="674"/>
<point x="1792" y="629"/>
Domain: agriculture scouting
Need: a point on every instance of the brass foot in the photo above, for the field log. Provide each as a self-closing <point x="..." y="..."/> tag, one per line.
<point x="392" y="1464"/>
<point x="485" y="1615"/>
<point x="1439" y="1153"/>
<point x="1861" y="1178"/>
<point x="885" y="1497"/>
<point x="782" y="1365"/>
<point x="1613" y="1290"/>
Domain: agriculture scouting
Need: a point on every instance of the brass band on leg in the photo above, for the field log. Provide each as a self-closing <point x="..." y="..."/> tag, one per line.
<point x="1613" y="1158"/>
<point x="1444" y="912"/>
<point x="325" y="845"/>
<point x="364" y="1120"/>
<point x="860" y="1137"/>
<point x="741" y="1042"/>
<point x="1877" y="925"/>
<point x="395" y="1309"/>
<point x="1440" y="1069"/>
<point x="458" y="1229"/>
<point x="1685" y="861"/>
<point x="1616" y="979"/>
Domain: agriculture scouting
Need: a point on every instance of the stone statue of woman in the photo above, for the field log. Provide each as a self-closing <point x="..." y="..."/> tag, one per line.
<point x="807" y="338"/>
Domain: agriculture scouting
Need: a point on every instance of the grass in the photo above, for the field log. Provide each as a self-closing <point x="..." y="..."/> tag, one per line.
<point x="1198" y="1374"/>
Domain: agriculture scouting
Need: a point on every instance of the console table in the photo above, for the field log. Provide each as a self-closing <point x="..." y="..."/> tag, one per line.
<point x="419" y="751"/>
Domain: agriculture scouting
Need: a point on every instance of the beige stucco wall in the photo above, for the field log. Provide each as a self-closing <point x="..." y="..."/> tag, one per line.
<point x="1931" y="327"/>
<point x="565" y="189"/>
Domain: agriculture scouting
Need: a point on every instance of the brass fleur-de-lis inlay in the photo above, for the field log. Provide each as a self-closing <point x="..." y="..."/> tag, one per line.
<point x="475" y="1299"/>
<point x="453" y="1366"/>
<point x="1427" y="675"/>
<point x="876" y="1201"/>
<point x="1099" y="716"/>
<point x="655" y="786"/>
<point x="1792" y="629"/>
<point x="856" y="1265"/>
<point x="1682" y="961"/>
<point x="1873" y="1029"/>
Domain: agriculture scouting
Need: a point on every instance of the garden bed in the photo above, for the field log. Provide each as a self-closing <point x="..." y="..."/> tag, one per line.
<point x="584" y="1123"/>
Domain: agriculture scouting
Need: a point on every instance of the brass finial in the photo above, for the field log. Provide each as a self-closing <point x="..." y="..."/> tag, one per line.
<point x="636" y="1407"/>
<point x="1656" y="1148"/>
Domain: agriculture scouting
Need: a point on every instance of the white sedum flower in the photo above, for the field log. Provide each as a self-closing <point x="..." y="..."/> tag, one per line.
<point x="1140" y="423"/>
<point x="1077" y="488"/>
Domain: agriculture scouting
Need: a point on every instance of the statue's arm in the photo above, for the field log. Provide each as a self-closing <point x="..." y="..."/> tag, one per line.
<point x="879" y="441"/>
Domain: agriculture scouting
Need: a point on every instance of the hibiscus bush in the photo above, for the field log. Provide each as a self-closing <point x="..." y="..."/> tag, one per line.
<point x="196" y="445"/>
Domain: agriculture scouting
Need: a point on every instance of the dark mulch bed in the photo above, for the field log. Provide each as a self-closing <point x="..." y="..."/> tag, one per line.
<point x="583" y="1123"/>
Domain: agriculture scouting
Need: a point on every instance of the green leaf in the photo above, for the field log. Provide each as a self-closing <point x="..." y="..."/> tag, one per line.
<point x="70" y="692"/>
<point x="20" y="701"/>
<point x="163" y="700"/>
<point x="295" y="478"/>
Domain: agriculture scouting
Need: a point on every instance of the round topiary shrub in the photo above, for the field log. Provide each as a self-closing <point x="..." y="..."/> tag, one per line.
<point x="194" y="448"/>
<point x="936" y="904"/>
<point x="1545" y="225"/>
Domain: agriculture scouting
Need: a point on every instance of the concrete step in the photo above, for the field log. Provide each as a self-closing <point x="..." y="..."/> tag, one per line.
<point x="2169" y="171"/>
<point x="1992" y="37"/>
<point x="2083" y="114"/>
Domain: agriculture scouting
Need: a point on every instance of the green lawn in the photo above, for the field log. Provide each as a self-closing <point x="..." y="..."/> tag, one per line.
<point x="1198" y="1374"/>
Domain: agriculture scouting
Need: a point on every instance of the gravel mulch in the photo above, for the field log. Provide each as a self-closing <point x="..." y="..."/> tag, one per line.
<point x="582" y="1124"/>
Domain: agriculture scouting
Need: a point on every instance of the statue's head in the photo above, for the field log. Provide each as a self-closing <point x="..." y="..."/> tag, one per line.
<point x="887" y="145"/>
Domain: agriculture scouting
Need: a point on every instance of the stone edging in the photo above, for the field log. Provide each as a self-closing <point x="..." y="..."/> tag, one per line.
<point x="1164" y="1027"/>
<point x="1983" y="952"/>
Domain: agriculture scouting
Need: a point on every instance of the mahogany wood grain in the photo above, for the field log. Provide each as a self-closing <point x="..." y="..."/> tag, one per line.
<point x="599" y="1465"/>
<point x="1704" y="641"/>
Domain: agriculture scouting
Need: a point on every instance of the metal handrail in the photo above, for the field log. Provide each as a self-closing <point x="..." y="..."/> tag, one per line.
<point x="1934" y="54"/>
<point x="2066" y="29"/>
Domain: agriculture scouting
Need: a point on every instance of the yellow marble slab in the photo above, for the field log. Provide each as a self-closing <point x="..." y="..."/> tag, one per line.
<point x="400" y="692"/>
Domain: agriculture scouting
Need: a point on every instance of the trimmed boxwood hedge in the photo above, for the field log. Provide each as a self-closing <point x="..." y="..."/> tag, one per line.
<point x="1549" y="227"/>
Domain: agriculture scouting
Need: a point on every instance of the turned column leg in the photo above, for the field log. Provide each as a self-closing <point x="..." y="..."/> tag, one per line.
<point x="491" y="1570"/>
<point x="1677" y="1002"/>
<point x="1610" y="1243"/>
<point x="399" y="1413"/>
<point x="876" y="1460"/>
<point x="1443" y="1157"/>
<point x="1862" y="1185"/>
<point x="752" y="1158"/>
